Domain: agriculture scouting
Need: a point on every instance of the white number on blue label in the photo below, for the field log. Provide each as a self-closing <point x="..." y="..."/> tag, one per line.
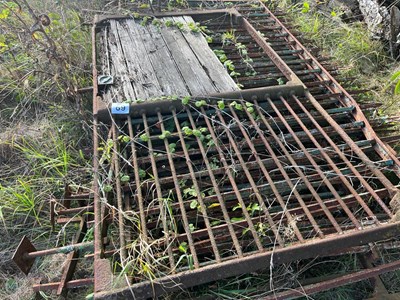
<point x="120" y="108"/>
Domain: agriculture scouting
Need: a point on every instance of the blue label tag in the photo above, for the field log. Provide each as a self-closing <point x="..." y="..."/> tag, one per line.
<point x="120" y="108"/>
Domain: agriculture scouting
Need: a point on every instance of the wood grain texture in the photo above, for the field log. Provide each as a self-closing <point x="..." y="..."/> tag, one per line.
<point x="149" y="61"/>
<point x="170" y="79"/>
<point x="207" y="59"/>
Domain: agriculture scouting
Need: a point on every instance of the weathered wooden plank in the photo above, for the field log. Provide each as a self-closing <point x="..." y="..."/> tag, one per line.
<point x="140" y="68"/>
<point x="105" y="64"/>
<point x="165" y="69"/>
<point x="209" y="61"/>
<point x="120" y="71"/>
<point x="195" y="77"/>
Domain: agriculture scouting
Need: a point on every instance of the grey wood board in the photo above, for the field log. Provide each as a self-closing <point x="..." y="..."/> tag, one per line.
<point x="195" y="77"/>
<point x="105" y="63"/>
<point x="209" y="61"/>
<point x="117" y="58"/>
<point x="141" y="70"/>
<point x="165" y="69"/>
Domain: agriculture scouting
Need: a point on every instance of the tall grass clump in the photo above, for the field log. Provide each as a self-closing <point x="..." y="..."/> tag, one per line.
<point x="348" y="43"/>
<point x="350" y="46"/>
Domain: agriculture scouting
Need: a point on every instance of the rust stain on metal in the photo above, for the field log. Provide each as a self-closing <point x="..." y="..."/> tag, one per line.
<point x="228" y="182"/>
<point x="189" y="190"/>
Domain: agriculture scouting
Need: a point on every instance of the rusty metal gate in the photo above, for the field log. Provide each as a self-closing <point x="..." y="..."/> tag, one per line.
<point x="193" y="189"/>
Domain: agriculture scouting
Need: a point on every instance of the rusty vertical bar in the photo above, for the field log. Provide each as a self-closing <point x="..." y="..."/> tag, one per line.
<point x="72" y="258"/>
<point x="179" y="195"/>
<point x="344" y="158"/>
<point x="197" y="189"/>
<point x="273" y="56"/>
<point x="120" y="205"/>
<point x="251" y="180"/>
<point x="349" y="100"/>
<point x="331" y="162"/>
<point x="317" y="169"/>
<point x="268" y="177"/>
<point x="159" y="196"/>
<point x="99" y="279"/>
<point x="233" y="183"/>
<point x="357" y="150"/>
<point x="217" y="191"/>
<point x="139" y="194"/>
<point x="284" y="68"/>
<point x="280" y="167"/>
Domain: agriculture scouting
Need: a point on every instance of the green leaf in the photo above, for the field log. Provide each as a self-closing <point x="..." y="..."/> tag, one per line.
<point x="395" y="76"/>
<point x="142" y="173"/>
<point x="187" y="131"/>
<point x="197" y="133"/>
<point x="201" y="103"/>
<point x="236" y="207"/>
<point x="215" y="223"/>
<point x="164" y="135"/>
<point x="125" y="178"/>
<point x="212" y="205"/>
<point x="185" y="100"/>
<point x="250" y="109"/>
<point x="90" y="296"/>
<point x="144" y="137"/>
<point x="239" y="106"/>
<point x="107" y="188"/>
<point x="172" y="147"/>
<point x="194" y="204"/>
<point x="221" y="105"/>
<point x="306" y="7"/>
<point x="397" y="88"/>
<point x="183" y="247"/>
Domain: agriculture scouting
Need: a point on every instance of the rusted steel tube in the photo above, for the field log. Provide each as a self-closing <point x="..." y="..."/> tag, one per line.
<point x="77" y="210"/>
<point x="336" y="282"/>
<point x="159" y="196"/>
<point x="233" y="183"/>
<point x="120" y="206"/>
<point x="359" y="153"/>
<point x="62" y="250"/>
<point x="69" y="284"/>
<point x="197" y="189"/>
<point x="98" y="225"/>
<point x="217" y="192"/>
<point x="278" y="196"/>
<point x="280" y="167"/>
<point x="179" y="196"/>
<point x="137" y="181"/>
<point x="250" y="179"/>
<point x="358" y="114"/>
<point x="323" y="176"/>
